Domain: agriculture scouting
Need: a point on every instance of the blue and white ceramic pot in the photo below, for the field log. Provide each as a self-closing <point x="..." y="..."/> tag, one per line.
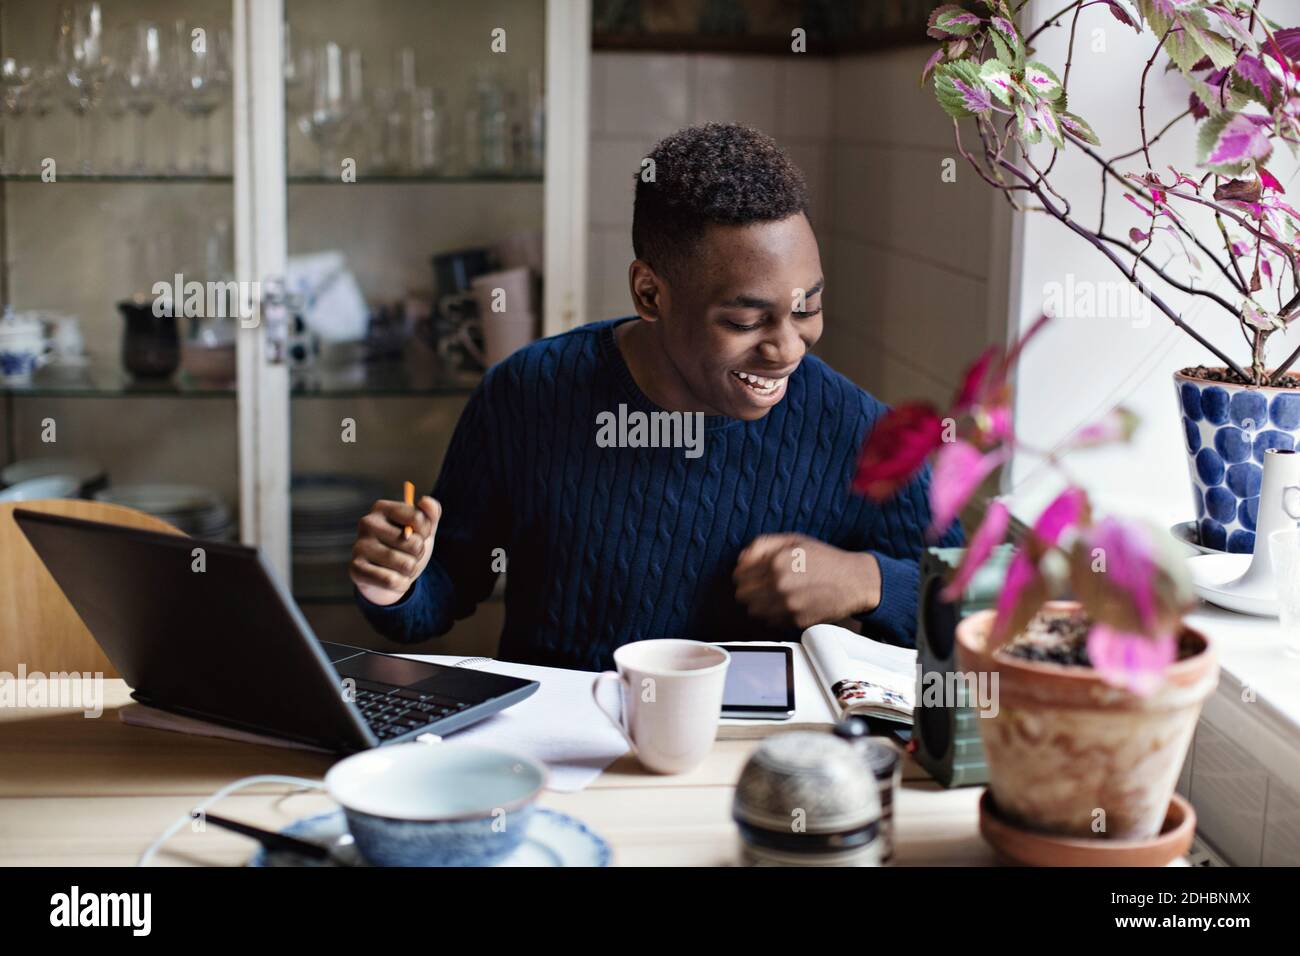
<point x="1226" y="429"/>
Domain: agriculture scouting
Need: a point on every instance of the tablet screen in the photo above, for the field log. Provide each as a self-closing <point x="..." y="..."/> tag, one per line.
<point x="759" y="678"/>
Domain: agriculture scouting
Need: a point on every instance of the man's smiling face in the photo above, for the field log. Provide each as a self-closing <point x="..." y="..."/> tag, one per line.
<point x="733" y="323"/>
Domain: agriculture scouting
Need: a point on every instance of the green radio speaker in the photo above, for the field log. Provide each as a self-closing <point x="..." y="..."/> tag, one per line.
<point x="947" y="736"/>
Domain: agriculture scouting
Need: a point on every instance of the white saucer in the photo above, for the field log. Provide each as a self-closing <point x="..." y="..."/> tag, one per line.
<point x="1211" y="575"/>
<point x="1189" y="534"/>
<point x="554" y="839"/>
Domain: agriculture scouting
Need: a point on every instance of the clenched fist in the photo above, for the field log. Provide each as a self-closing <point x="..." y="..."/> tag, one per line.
<point x="792" y="580"/>
<point x="385" y="562"/>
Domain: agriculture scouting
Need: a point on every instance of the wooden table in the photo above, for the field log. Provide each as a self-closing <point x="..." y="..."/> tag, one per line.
<point x="95" y="792"/>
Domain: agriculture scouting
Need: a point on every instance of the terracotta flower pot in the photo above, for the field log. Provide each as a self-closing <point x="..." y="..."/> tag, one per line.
<point x="1064" y="745"/>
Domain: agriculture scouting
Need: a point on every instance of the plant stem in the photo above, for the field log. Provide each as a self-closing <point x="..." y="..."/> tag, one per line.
<point x="1052" y="19"/>
<point x="1115" y="259"/>
<point x="1142" y="97"/>
<point x="1181" y="287"/>
<point x="1108" y="170"/>
<point x="1282" y="369"/>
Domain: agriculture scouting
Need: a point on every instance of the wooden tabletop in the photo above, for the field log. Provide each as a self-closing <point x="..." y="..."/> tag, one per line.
<point x="96" y="792"/>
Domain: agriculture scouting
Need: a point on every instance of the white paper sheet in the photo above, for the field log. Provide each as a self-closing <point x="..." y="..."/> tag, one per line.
<point x="559" y="725"/>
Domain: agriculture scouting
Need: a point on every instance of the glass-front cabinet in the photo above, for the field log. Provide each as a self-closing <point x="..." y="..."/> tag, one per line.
<point x="257" y="254"/>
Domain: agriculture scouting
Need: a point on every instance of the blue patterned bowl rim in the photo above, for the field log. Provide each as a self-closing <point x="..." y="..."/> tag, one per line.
<point x="603" y="852"/>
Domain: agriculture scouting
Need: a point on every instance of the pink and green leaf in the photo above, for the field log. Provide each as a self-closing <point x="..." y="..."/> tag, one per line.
<point x="951" y="20"/>
<point x="1117" y="425"/>
<point x="1126" y="13"/>
<point x="1046" y="119"/>
<point x="1076" y="126"/>
<point x="1045" y="84"/>
<point x="935" y="59"/>
<point x="1027" y="129"/>
<point x="991" y="532"/>
<point x="960" y="91"/>
<point x="1068" y="510"/>
<point x="1128" y="660"/>
<point x="959" y="469"/>
<point x="1229" y="143"/>
<point x="1007" y="41"/>
<point x="897" y="448"/>
<point x="1023" y="592"/>
<point x="997" y="77"/>
<point x="1230" y="22"/>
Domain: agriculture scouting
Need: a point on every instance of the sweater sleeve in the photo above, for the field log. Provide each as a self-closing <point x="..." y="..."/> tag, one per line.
<point x="474" y="524"/>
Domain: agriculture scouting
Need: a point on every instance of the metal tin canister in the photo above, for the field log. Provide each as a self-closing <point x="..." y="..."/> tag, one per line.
<point x="884" y="763"/>
<point x="804" y="800"/>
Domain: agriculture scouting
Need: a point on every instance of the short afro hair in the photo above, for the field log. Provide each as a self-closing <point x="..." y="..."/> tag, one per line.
<point x="718" y="173"/>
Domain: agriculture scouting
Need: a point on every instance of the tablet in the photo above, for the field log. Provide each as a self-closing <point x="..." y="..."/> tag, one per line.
<point x="760" y="682"/>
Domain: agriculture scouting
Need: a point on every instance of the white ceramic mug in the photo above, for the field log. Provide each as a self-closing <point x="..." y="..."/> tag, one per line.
<point x="672" y="700"/>
<point x="503" y="335"/>
<point x="515" y="285"/>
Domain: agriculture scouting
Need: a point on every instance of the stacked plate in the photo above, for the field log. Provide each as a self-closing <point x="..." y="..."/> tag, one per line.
<point x="41" y="489"/>
<point x="197" y="511"/>
<point x="87" y="474"/>
<point x="325" y="510"/>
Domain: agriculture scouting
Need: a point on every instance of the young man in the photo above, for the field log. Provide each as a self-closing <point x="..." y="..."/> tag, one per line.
<point x="743" y="528"/>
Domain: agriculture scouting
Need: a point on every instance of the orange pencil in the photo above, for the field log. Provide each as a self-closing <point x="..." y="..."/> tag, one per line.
<point x="408" y="494"/>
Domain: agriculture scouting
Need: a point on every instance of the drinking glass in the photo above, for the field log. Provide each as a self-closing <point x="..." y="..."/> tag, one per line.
<point x="324" y="118"/>
<point x="199" y="86"/>
<point x="146" y="77"/>
<point x="487" y="129"/>
<point x="113" y="107"/>
<point x="1284" y="549"/>
<point x="42" y="99"/>
<point x="79" y="51"/>
<point x="428" y="131"/>
<point x="15" y="81"/>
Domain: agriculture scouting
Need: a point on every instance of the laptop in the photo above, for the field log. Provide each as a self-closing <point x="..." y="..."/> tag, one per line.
<point x="213" y="634"/>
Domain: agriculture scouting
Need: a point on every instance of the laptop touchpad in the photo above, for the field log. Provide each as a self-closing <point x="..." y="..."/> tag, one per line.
<point x="383" y="670"/>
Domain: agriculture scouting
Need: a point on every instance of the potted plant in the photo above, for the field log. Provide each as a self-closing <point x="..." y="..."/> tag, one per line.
<point x="1218" y="229"/>
<point x="1096" y="699"/>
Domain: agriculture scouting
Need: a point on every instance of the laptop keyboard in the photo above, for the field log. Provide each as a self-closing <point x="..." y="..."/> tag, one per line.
<point x="394" y="711"/>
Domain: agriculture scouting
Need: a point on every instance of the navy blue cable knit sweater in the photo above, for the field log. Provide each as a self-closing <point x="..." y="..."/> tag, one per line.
<point x="610" y="545"/>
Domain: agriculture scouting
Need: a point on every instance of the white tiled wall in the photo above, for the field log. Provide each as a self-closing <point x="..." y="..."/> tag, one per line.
<point x="1243" y="777"/>
<point x="907" y="256"/>
<point x="908" y="281"/>
<point x="638" y="98"/>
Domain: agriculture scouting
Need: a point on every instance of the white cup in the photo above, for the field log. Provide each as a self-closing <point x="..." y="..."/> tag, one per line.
<point x="515" y="287"/>
<point x="672" y="700"/>
<point x="503" y="335"/>
<point x="1284" y="548"/>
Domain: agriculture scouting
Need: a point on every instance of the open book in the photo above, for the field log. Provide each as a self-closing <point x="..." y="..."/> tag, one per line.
<point x="862" y="676"/>
<point x="838" y="674"/>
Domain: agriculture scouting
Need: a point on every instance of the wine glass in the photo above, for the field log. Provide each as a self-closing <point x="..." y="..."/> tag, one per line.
<point x="223" y="82"/>
<point x="79" y="52"/>
<point x="198" y="86"/>
<point x="146" y="78"/>
<point x="15" y="81"/>
<point x="41" y="99"/>
<point x="113" y="106"/>
<point x="298" y="72"/>
<point x="325" y="116"/>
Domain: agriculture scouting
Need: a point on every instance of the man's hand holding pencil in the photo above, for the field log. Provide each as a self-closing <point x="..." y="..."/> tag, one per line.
<point x="393" y="546"/>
